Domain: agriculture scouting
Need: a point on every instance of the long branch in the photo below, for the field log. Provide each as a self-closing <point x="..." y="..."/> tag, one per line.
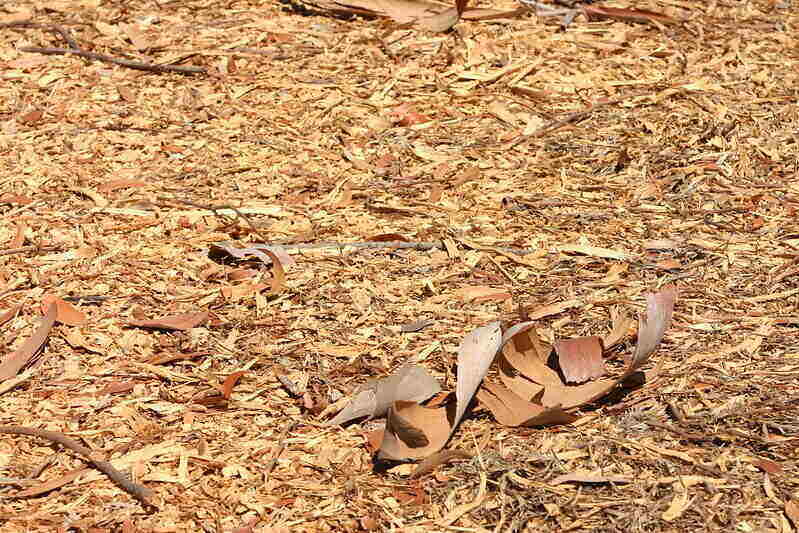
<point x="140" y="492"/>
<point x="136" y="65"/>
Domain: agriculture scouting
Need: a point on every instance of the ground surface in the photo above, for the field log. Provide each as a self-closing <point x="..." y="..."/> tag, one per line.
<point x="325" y="129"/>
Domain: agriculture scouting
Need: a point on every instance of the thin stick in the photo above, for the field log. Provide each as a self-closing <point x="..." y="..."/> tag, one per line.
<point x="217" y="209"/>
<point x="405" y="245"/>
<point x="136" y="65"/>
<point x="60" y="30"/>
<point x="140" y="492"/>
<point x="23" y="249"/>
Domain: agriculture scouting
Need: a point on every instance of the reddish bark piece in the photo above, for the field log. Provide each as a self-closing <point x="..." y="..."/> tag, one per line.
<point x="66" y="313"/>
<point x="770" y="467"/>
<point x="14" y="361"/>
<point x="15" y="199"/>
<point x="19" y="238"/>
<point x="580" y="359"/>
<point x="180" y="322"/>
<point x="230" y="382"/>
<point x="117" y="387"/>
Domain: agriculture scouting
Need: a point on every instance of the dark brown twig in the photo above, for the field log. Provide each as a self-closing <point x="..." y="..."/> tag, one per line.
<point x="23" y="249"/>
<point x="140" y="492"/>
<point x="60" y="30"/>
<point x="136" y="65"/>
<point x="216" y="211"/>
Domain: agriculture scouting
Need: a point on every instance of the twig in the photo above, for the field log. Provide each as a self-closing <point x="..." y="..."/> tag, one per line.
<point x="216" y="210"/>
<point x="60" y="30"/>
<point x="280" y="448"/>
<point x="405" y="245"/>
<point x="140" y="492"/>
<point x="569" y="119"/>
<point x="23" y="249"/>
<point x="136" y="65"/>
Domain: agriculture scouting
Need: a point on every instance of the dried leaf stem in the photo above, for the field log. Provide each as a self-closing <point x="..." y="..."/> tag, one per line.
<point x="140" y="492"/>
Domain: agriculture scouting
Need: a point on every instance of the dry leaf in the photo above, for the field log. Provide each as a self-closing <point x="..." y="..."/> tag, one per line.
<point x="533" y="391"/>
<point x="181" y="322"/>
<point x="65" y="312"/>
<point x="580" y="359"/>
<point x="659" y="308"/>
<point x="511" y="410"/>
<point x="413" y="431"/>
<point x="14" y="361"/>
<point x="409" y="383"/>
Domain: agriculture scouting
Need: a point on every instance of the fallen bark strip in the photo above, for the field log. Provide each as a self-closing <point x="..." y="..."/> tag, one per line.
<point x="140" y="492"/>
<point x="136" y="65"/>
